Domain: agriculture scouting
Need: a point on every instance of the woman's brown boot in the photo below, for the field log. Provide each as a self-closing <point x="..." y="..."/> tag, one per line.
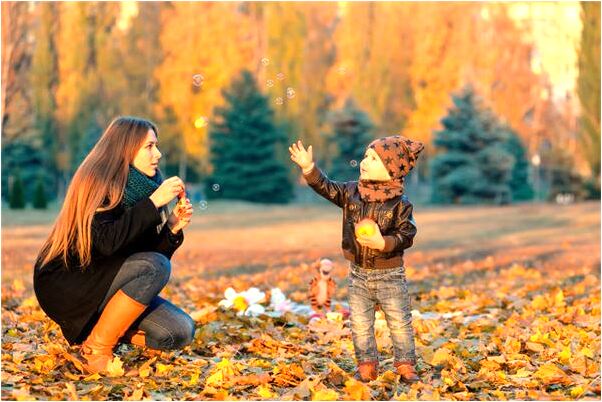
<point x="118" y="315"/>
<point x="138" y="338"/>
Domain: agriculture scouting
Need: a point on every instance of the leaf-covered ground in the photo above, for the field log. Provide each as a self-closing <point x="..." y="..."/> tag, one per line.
<point x="506" y="300"/>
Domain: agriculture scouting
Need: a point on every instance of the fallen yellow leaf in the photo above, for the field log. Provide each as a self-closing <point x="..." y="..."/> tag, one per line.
<point x="559" y="299"/>
<point x="577" y="391"/>
<point x="565" y="354"/>
<point x="442" y="355"/>
<point x="549" y="373"/>
<point x="587" y="352"/>
<point x="93" y="377"/>
<point x="539" y="303"/>
<point x="194" y="378"/>
<point x="356" y="390"/>
<point x="325" y="395"/>
<point x="115" y="368"/>
<point x="265" y="391"/>
<point x="161" y="369"/>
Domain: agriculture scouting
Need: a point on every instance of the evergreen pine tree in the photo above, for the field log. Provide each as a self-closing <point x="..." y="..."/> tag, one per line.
<point x="39" y="195"/>
<point x="519" y="183"/>
<point x="474" y="165"/>
<point x="17" y="193"/>
<point x="352" y="132"/>
<point x="26" y="158"/>
<point x="244" y="145"/>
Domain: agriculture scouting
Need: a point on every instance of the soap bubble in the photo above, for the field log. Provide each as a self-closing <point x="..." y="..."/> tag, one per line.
<point x="265" y="61"/>
<point x="279" y="101"/>
<point x="203" y="204"/>
<point x="270" y="83"/>
<point x="290" y="93"/>
<point x="215" y="187"/>
<point x="280" y="76"/>
<point x="197" y="80"/>
<point x="353" y="163"/>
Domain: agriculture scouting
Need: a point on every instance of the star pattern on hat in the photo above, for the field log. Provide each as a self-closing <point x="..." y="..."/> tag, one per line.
<point x="386" y="147"/>
<point x="387" y="191"/>
<point x="388" y="160"/>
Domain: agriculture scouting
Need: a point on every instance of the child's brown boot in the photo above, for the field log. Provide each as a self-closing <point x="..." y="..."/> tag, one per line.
<point x="407" y="372"/>
<point x="367" y="371"/>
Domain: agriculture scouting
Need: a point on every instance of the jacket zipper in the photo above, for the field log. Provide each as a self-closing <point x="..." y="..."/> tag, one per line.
<point x="364" y="249"/>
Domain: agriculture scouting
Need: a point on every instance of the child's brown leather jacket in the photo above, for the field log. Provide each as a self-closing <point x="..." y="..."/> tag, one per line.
<point x="394" y="218"/>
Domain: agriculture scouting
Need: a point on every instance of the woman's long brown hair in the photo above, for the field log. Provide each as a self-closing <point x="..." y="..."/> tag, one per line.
<point x="98" y="183"/>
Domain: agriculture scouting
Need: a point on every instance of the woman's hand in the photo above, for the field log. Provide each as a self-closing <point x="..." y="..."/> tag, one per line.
<point x="180" y="216"/>
<point x="375" y="241"/>
<point x="302" y="157"/>
<point x="167" y="191"/>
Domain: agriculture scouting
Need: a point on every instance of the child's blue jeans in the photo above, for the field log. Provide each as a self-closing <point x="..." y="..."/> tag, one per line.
<point x="387" y="288"/>
<point x="141" y="277"/>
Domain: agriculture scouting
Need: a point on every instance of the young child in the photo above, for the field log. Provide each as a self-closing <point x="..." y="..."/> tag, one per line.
<point x="377" y="273"/>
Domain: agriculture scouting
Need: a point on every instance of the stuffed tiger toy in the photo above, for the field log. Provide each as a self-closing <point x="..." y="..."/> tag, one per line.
<point x="322" y="286"/>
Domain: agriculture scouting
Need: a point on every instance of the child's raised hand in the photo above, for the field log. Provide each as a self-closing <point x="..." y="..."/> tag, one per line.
<point x="302" y="157"/>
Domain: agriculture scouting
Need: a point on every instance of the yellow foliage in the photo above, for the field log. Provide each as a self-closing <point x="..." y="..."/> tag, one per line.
<point x="265" y="391"/>
<point x="442" y="355"/>
<point x="559" y="299"/>
<point x="549" y="373"/>
<point x="325" y="395"/>
<point x="565" y="354"/>
<point x="539" y="303"/>
<point x="115" y="368"/>
<point x="587" y="352"/>
<point x="356" y="390"/>
<point x="161" y="369"/>
<point x="577" y="391"/>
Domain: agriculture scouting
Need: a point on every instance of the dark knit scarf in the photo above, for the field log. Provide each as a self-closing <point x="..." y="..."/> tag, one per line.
<point x="140" y="186"/>
<point x="399" y="156"/>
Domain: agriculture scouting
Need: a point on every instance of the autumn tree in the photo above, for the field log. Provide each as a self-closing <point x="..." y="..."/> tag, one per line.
<point x="17" y="48"/>
<point x="244" y="144"/>
<point x="204" y="51"/>
<point x="44" y="80"/>
<point x="588" y="89"/>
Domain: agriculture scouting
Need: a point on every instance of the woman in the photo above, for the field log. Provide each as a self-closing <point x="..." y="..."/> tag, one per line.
<point x="100" y="271"/>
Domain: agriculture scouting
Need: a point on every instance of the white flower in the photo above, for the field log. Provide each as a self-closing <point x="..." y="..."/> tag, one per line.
<point x="246" y="302"/>
<point x="279" y="302"/>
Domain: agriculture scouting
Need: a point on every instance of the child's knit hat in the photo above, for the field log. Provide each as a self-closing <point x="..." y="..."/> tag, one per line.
<point x="398" y="154"/>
